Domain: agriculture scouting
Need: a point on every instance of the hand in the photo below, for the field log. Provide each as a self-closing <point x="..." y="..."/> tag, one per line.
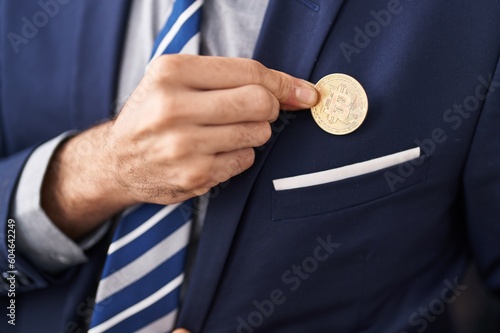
<point x="191" y="123"/>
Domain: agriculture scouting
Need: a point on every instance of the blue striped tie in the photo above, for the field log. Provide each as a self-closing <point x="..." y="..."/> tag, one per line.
<point x="140" y="284"/>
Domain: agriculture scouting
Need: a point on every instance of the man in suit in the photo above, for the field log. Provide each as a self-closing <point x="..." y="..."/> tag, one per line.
<point x="381" y="251"/>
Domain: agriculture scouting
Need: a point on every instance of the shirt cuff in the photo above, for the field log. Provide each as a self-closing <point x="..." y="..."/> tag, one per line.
<point x="38" y="239"/>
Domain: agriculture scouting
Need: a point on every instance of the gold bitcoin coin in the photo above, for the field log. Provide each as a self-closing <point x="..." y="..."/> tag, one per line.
<point x="343" y="104"/>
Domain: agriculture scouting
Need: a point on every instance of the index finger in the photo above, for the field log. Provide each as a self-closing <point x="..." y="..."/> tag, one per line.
<point x="211" y="73"/>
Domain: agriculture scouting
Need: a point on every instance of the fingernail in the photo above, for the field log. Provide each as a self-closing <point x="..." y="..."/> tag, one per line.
<point x="306" y="93"/>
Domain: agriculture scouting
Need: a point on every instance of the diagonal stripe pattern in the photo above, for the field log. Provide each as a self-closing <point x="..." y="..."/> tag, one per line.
<point x="141" y="279"/>
<point x="140" y="284"/>
<point x="182" y="26"/>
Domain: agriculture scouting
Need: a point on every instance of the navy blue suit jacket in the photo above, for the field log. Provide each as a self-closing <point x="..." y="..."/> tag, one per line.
<point x="362" y="254"/>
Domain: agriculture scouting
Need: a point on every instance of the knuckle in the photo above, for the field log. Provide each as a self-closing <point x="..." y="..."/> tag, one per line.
<point x="202" y="191"/>
<point x="218" y="176"/>
<point x="168" y="110"/>
<point x="176" y="147"/>
<point x="263" y="103"/>
<point x="255" y="71"/>
<point x="283" y="86"/>
<point x="262" y="100"/>
<point x="252" y="134"/>
<point x="234" y="166"/>
<point x="274" y="111"/>
<point x="194" y="179"/>
<point x="168" y="62"/>
<point x="246" y="158"/>
<point x="265" y="133"/>
<point x="167" y="66"/>
<point x="197" y="177"/>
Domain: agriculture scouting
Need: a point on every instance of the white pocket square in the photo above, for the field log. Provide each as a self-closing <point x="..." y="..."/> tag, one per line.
<point x="348" y="171"/>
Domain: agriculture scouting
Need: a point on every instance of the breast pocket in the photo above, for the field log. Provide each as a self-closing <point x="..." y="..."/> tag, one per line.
<point x="336" y="189"/>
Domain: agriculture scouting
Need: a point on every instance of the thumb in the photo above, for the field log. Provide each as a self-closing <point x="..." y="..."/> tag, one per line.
<point x="292" y="93"/>
<point x="180" y="330"/>
<point x="303" y="95"/>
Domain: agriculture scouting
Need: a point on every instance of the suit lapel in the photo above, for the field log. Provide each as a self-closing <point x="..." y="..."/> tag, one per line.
<point x="291" y="39"/>
<point x="96" y="69"/>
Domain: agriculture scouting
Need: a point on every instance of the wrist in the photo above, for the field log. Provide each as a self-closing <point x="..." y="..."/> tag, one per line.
<point x="79" y="190"/>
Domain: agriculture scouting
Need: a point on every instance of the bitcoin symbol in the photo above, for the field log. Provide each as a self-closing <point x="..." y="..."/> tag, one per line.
<point x="338" y="106"/>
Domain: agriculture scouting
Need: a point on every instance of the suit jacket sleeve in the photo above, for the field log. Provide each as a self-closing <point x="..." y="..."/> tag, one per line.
<point x="27" y="277"/>
<point x="10" y="170"/>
